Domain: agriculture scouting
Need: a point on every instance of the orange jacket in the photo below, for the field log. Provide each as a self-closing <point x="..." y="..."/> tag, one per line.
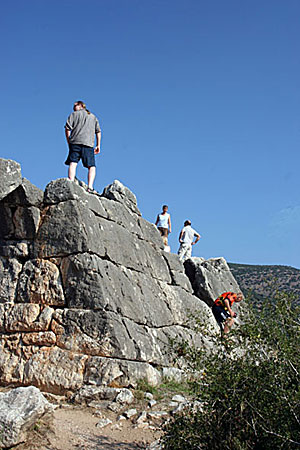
<point x="230" y="296"/>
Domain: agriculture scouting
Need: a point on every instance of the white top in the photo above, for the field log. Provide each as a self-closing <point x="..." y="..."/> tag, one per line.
<point x="163" y="220"/>
<point x="188" y="234"/>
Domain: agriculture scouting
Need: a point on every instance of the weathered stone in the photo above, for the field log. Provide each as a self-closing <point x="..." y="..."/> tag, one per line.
<point x="115" y="407"/>
<point x="125" y="397"/>
<point x="40" y="282"/>
<point x="107" y="371"/>
<point x="7" y="228"/>
<point x="142" y="417"/>
<point x="10" y="176"/>
<point x="178" y="398"/>
<point x="120" y="193"/>
<point x="9" y="273"/>
<point x="88" y="394"/>
<point x="42" y="338"/>
<point x="11" y="365"/>
<point x="130" y="413"/>
<point x="152" y="403"/>
<point x="20" y="409"/>
<point x="157" y="415"/>
<point x="28" y="317"/>
<point x="26" y="195"/>
<point x="14" y="249"/>
<point x="210" y="278"/>
<point x="26" y="221"/>
<point x="103" y="423"/>
<point x="62" y="370"/>
<point x="63" y="189"/>
<point x="148" y="396"/>
<point x="91" y="283"/>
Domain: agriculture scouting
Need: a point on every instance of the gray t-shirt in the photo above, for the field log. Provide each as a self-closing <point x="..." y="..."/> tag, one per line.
<point x="188" y="234"/>
<point x="83" y="127"/>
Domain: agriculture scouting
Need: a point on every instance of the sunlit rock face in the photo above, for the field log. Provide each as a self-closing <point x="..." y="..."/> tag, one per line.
<point x="87" y="294"/>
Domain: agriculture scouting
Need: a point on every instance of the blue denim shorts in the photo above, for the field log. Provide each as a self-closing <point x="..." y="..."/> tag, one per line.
<point x="79" y="152"/>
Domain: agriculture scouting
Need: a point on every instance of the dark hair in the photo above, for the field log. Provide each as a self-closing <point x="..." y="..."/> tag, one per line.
<point x="165" y="206"/>
<point x="187" y="222"/>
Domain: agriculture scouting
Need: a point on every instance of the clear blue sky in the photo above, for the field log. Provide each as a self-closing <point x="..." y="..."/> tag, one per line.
<point x="198" y="102"/>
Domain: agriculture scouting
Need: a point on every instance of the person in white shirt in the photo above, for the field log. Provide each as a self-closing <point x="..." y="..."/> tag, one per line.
<point x="163" y="223"/>
<point x="186" y="239"/>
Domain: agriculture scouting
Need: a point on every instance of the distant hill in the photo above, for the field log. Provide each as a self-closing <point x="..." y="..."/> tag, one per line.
<point x="261" y="280"/>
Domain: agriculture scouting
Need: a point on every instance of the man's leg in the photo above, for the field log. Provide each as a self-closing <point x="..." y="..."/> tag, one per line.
<point x="227" y="325"/>
<point x="91" y="176"/>
<point x="188" y="252"/>
<point x="181" y="252"/>
<point x="72" y="171"/>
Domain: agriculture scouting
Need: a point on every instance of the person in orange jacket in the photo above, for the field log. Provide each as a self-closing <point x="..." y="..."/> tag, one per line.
<point x="222" y="309"/>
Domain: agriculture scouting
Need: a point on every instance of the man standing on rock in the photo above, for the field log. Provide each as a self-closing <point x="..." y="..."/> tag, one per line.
<point x="81" y="128"/>
<point x="186" y="239"/>
<point x="222" y="309"/>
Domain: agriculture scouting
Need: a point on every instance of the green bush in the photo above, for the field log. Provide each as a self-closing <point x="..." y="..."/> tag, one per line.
<point x="248" y="387"/>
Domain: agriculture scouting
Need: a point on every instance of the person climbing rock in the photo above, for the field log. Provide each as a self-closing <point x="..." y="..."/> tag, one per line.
<point x="186" y="239"/>
<point x="222" y="310"/>
<point x="80" y="129"/>
<point x="163" y="223"/>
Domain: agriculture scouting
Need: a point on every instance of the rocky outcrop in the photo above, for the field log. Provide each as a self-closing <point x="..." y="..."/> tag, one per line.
<point x="210" y="278"/>
<point x="20" y="409"/>
<point x="88" y="297"/>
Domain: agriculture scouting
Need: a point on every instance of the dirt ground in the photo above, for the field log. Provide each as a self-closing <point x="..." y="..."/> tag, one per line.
<point x="74" y="428"/>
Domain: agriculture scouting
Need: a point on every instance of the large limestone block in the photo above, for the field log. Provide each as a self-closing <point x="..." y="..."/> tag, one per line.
<point x="67" y="228"/>
<point x="118" y="372"/>
<point x="28" y="317"/>
<point x="99" y="333"/>
<point x="10" y="176"/>
<point x="26" y="221"/>
<point x="11" y="364"/>
<point x="210" y="278"/>
<point x="91" y="283"/>
<point x="63" y="189"/>
<point x="25" y="195"/>
<point x="120" y="193"/>
<point x="40" y="282"/>
<point x="7" y="228"/>
<point x="20" y="409"/>
<point x="55" y="370"/>
<point x="9" y="274"/>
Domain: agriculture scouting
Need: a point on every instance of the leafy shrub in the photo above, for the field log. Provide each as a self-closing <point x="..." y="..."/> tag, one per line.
<point x="248" y="386"/>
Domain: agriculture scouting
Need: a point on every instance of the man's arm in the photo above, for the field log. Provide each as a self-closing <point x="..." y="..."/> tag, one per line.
<point x="169" y="222"/>
<point x="197" y="238"/>
<point x="98" y="140"/>
<point x="157" y="220"/>
<point x="232" y="314"/>
<point x="67" y="133"/>
<point x="180" y="236"/>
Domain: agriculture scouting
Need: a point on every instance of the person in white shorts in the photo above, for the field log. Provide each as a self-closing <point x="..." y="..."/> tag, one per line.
<point x="186" y="239"/>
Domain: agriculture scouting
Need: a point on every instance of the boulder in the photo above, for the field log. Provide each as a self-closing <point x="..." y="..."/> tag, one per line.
<point x="210" y="278"/>
<point x="120" y="193"/>
<point x="20" y="409"/>
<point x="10" y="176"/>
